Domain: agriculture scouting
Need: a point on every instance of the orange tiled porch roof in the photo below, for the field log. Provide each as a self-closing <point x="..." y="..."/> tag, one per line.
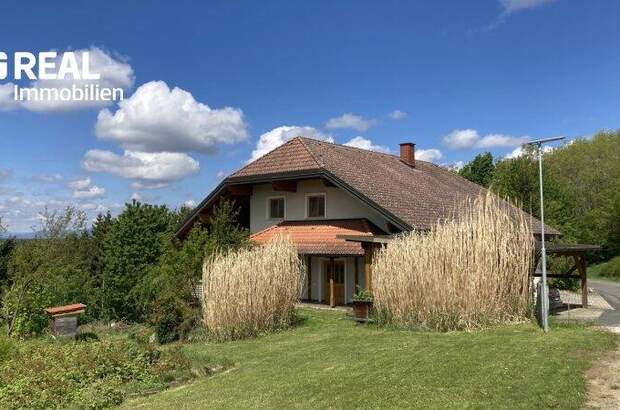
<point x="320" y="237"/>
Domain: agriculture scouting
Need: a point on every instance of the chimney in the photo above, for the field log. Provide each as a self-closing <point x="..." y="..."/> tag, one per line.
<point x="407" y="153"/>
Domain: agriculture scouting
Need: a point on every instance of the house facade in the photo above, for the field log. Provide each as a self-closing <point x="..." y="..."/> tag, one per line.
<point x="339" y="204"/>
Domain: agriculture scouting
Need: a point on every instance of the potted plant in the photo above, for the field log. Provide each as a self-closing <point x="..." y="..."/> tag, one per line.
<point x="362" y="304"/>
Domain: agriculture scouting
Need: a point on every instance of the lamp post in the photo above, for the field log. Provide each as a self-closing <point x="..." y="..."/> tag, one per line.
<point x="543" y="252"/>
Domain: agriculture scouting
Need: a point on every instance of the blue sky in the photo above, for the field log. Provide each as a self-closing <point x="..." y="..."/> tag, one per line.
<point x="457" y="78"/>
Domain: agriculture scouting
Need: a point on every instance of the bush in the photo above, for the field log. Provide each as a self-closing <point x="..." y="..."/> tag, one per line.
<point x="173" y="319"/>
<point x="251" y="290"/>
<point x="86" y="375"/>
<point x="464" y="273"/>
<point x="611" y="269"/>
<point x="7" y="347"/>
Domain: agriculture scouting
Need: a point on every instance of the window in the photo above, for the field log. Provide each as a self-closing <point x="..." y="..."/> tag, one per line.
<point x="276" y="208"/>
<point x="316" y="206"/>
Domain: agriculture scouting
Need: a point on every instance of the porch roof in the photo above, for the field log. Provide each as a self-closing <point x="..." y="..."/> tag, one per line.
<point x="322" y="237"/>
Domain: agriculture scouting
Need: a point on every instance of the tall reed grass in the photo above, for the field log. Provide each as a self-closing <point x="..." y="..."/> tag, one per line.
<point x="251" y="291"/>
<point x="465" y="273"/>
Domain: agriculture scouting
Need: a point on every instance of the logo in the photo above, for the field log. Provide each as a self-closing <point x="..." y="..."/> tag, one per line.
<point x="56" y="77"/>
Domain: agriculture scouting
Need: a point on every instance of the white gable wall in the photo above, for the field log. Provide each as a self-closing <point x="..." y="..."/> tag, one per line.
<point x="339" y="204"/>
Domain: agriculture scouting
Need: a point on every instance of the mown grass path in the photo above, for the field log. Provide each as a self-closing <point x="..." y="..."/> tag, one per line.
<point x="329" y="362"/>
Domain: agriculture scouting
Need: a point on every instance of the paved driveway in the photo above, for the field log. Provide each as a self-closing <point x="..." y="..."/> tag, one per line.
<point x="610" y="291"/>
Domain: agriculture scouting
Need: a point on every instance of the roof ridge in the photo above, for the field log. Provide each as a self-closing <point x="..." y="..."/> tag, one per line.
<point x="386" y="154"/>
<point x="303" y="142"/>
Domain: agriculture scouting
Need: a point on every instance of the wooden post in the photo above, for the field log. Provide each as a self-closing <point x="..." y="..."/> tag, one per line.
<point x="580" y="262"/>
<point x="356" y="273"/>
<point x="309" y="272"/>
<point x="368" y="266"/>
<point x="332" y="269"/>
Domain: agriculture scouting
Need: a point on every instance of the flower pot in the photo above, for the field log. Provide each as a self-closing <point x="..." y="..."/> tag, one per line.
<point x="361" y="310"/>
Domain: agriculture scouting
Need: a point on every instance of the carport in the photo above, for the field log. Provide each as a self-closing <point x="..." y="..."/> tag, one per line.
<point x="577" y="252"/>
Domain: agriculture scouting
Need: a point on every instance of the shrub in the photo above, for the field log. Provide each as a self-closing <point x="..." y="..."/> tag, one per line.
<point x="173" y="319"/>
<point x="251" y="290"/>
<point x="7" y="347"/>
<point x="86" y="375"/>
<point x="464" y="273"/>
<point x="362" y="295"/>
<point x="611" y="269"/>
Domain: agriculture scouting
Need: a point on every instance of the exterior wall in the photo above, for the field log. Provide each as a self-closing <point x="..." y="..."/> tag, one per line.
<point x="338" y="205"/>
<point x="316" y="289"/>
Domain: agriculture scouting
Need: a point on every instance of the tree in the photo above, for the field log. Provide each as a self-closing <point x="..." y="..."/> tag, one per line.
<point x="169" y="291"/>
<point x="101" y="227"/>
<point x="133" y="244"/>
<point x="582" y="184"/>
<point x="52" y="269"/>
<point x="480" y="170"/>
<point x="517" y="179"/>
<point x="6" y="248"/>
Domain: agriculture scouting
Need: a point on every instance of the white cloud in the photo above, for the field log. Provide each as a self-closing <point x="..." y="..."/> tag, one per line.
<point x="220" y="174"/>
<point x="470" y="138"/>
<point x="114" y="73"/>
<point x="7" y="97"/>
<point x="364" y="143"/>
<point x="136" y="196"/>
<point x="91" y="206"/>
<point x="80" y="184"/>
<point x="430" y="155"/>
<point x="158" y="119"/>
<point x="190" y="203"/>
<point x="83" y="189"/>
<point x="352" y="121"/>
<point x="50" y="178"/>
<point x="144" y="167"/>
<point x="513" y="6"/>
<point x="397" y="115"/>
<point x="89" y="193"/>
<point x="22" y="213"/>
<point x="500" y="141"/>
<point x="460" y="139"/>
<point x="278" y="136"/>
<point x="455" y="166"/>
<point x="139" y="185"/>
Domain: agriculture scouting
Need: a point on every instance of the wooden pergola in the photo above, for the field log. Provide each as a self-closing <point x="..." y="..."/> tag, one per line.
<point x="578" y="253"/>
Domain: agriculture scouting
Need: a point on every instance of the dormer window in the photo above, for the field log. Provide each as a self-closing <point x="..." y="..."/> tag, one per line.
<point x="275" y="208"/>
<point x="315" y="206"/>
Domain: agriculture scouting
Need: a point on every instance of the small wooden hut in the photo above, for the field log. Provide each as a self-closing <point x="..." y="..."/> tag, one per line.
<point x="65" y="319"/>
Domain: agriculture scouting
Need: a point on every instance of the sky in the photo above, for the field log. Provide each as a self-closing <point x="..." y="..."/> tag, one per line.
<point x="208" y="86"/>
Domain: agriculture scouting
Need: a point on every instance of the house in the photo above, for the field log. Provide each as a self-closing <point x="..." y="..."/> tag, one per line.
<point x="339" y="203"/>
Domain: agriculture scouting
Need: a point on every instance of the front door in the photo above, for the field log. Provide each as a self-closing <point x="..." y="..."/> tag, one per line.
<point x="338" y="276"/>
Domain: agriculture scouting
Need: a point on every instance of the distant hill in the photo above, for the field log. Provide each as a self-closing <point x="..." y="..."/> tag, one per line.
<point x="18" y="235"/>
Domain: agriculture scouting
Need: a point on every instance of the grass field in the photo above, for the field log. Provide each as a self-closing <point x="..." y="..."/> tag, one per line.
<point x="594" y="272"/>
<point x="329" y="362"/>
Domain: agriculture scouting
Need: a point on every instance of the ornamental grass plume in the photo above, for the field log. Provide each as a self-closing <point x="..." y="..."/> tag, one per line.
<point x="465" y="273"/>
<point x="252" y="290"/>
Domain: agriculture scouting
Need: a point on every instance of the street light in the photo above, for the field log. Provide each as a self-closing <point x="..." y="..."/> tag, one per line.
<point x="544" y="294"/>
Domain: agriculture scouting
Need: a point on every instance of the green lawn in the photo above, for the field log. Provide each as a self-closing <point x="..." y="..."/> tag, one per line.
<point x="329" y="362"/>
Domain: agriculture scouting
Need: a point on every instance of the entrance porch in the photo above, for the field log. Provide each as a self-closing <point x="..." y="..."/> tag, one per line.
<point x="337" y="261"/>
<point x="333" y="280"/>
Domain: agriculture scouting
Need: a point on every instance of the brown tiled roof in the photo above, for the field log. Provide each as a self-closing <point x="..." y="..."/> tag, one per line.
<point x="418" y="196"/>
<point x="320" y="237"/>
<point x="296" y="157"/>
<point x="59" y="310"/>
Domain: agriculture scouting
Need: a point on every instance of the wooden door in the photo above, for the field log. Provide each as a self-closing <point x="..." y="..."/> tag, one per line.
<point x="338" y="276"/>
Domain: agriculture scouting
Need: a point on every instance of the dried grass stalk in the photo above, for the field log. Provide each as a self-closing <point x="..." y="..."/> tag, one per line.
<point x="251" y="291"/>
<point x="465" y="273"/>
